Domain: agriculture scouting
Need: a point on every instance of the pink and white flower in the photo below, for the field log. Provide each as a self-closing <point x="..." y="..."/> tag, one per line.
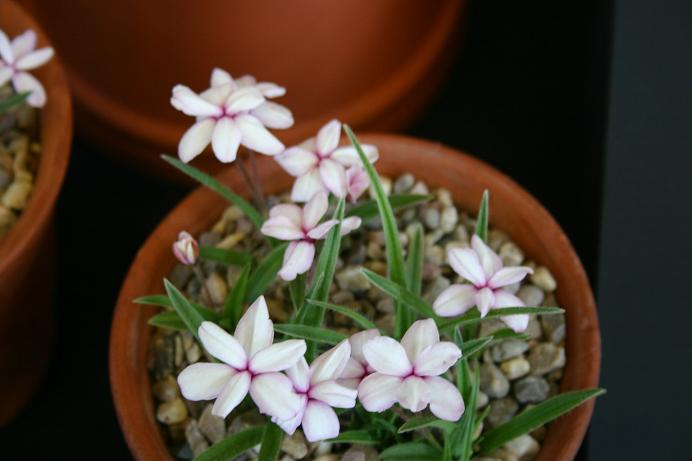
<point x="357" y="182"/>
<point x="481" y="266"/>
<point x="230" y="114"/>
<point x="17" y="58"/>
<point x="290" y="222"/>
<point x="357" y="367"/>
<point x="318" y="389"/>
<point x="186" y="249"/>
<point x="250" y="363"/>
<point x="408" y="373"/>
<point x="320" y="164"/>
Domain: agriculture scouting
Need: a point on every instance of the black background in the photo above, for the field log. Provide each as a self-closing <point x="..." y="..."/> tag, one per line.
<point x="530" y="94"/>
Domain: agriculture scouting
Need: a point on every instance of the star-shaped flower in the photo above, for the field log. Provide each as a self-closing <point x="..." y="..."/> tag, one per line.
<point x="357" y="367"/>
<point x="17" y="58"/>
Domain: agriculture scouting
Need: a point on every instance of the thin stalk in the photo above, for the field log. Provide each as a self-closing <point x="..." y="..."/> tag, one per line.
<point x="197" y="270"/>
<point x="257" y="178"/>
<point x="256" y="197"/>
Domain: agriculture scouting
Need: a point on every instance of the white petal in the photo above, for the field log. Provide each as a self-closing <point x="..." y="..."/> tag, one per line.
<point x="490" y="262"/>
<point x="315" y="209"/>
<point x="299" y="373"/>
<point x="437" y="359"/>
<point x="273" y="394"/>
<point x="387" y="356"/>
<point x="320" y="231"/>
<point x="320" y="422"/>
<point x="24" y="43"/>
<point x="217" y="95"/>
<point x="455" y="300"/>
<point x="270" y="90"/>
<point x="225" y="140"/>
<point x="297" y="260"/>
<point x="306" y="186"/>
<point x="350" y="224"/>
<point x="190" y="103"/>
<point x="333" y="394"/>
<point x="24" y="81"/>
<point x="330" y="364"/>
<point x="232" y="394"/>
<point x="245" y="80"/>
<point x="274" y="115"/>
<point x="509" y="275"/>
<point x="445" y="400"/>
<point x="420" y="335"/>
<point x="220" y="77"/>
<point x="196" y="139"/>
<point x="348" y="156"/>
<point x="35" y="59"/>
<point x="414" y="394"/>
<point x="465" y="262"/>
<point x="518" y="322"/>
<point x="6" y="53"/>
<point x="282" y="227"/>
<point x="204" y="381"/>
<point x="351" y="383"/>
<point x="290" y="425"/>
<point x="291" y="211"/>
<point x="485" y="299"/>
<point x="255" y="330"/>
<point x="297" y="161"/>
<point x="353" y="369"/>
<point x="278" y="357"/>
<point x="6" y="73"/>
<point x="333" y="176"/>
<point x="256" y="136"/>
<point x="378" y="392"/>
<point x="244" y="99"/>
<point x="328" y="137"/>
<point x="357" y="182"/>
<point x="222" y="345"/>
<point x="358" y="340"/>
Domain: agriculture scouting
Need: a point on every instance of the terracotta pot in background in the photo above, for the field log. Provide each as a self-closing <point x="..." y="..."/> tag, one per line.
<point x="512" y="210"/>
<point x="371" y="64"/>
<point x="27" y="251"/>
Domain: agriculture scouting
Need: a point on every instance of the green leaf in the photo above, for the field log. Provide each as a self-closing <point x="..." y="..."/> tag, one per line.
<point x="472" y="346"/>
<point x="271" y="443"/>
<point x="411" y="451"/>
<point x="13" y="101"/>
<point x="188" y="314"/>
<point x="419" y="422"/>
<point x="224" y="256"/>
<point x="233" y="445"/>
<point x="164" y="301"/>
<point x="368" y="209"/>
<point x="414" y="263"/>
<point x="172" y="320"/>
<point x="482" y="218"/>
<point x="463" y="447"/>
<point x="296" y="289"/>
<point x="539" y="415"/>
<point x="265" y="273"/>
<point x="473" y="316"/>
<point x="399" y="293"/>
<point x="310" y="333"/>
<point x="350" y="313"/>
<point x="463" y="369"/>
<point x="251" y="212"/>
<point x="360" y="437"/>
<point x="395" y="259"/>
<point x="233" y="307"/>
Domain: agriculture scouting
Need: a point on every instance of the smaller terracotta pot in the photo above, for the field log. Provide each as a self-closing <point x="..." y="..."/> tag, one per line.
<point x="27" y="251"/>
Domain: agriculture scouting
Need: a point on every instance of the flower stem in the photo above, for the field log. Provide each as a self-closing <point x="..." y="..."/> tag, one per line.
<point x="197" y="270"/>
<point x="256" y="197"/>
<point x="256" y="177"/>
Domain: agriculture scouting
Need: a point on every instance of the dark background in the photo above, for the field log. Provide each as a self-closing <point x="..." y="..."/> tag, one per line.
<point x="595" y="120"/>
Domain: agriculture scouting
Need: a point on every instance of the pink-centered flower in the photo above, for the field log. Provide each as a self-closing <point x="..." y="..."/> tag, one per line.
<point x="357" y="367"/>
<point x="357" y="182"/>
<point x="229" y="114"/>
<point x="482" y="267"/>
<point x="408" y="373"/>
<point x="290" y="222"/>
<point x="17" y="58"/>
<point x="320" y="164"/>
<point x="186" y="249"/>
<point x="249" y="363"/>
<point x="318" y="390"/>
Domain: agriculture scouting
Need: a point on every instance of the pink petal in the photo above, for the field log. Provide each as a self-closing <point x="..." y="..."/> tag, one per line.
<point x="437" y="359"/>
<point x="328" y="137"/>
<point x="331" y="363"/>
<point x="6" y="53"/>
<point x="232" y="394"/>
<point x="6" y="73"/>
<point x="220" y="77"/>
<point x="225" y="140"/>
<point x="256" y="136"/>
<point x="445" y="400"/>
<point x="314" y="210"/>
<point x="24" y="81"/>
<point x="255" y="330"/>
<point x="320" y="231"/>
<point x="270" y="90"/>
<point x="297" y="161"/>
<point x="353" y="369"/>
<point x="196" y="139"/>
<point x="244" y="99"/>
<point x="490" y="262"/>
<point x="290" y="425"/>
<point x="299" y="374"/>
<point x="204" y="381"/>
<point x="282" y="227"/>
<point x="334" y="177"/>
<point x="348" y="156"/>
<point x="293" y="212"/>
<point x="509" y="275"/>
<point x="35" y="59"/>
<point x="350" y="224"/>
<point x="297" y="260"/>
<point x="273" y="394"/>
<point x="358" y="340"/>
<point x="306" y="186"/>
<point x="378" y="392"/>
<point x="24" y="43"/>
<point x="274" y="115"/>
<point x="465" y="262"/>
<point x="455" y="300"/>
<point x="222" y="345"/>
<point x="419" y="336"/>
<point x="485" y="299"/>
<point x="414" y="394"/>
<point x="278" y="357"/>
<point x="333" y="394"/>
<point x="190" y="103"/>
<point x="517" y="322"/>
<point x="320" y="422"/>
<point x="387" y="356"/>
<point x="357" y="182"/>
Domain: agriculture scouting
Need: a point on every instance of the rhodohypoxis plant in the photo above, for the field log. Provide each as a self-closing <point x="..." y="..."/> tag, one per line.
<point x="410" y="390"/>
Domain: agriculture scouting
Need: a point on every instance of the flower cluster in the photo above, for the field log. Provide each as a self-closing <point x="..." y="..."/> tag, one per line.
<point x="17" y="58"/>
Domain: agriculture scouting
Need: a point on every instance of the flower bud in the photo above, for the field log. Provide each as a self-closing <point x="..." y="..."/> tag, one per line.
<point x="186" y="249"/>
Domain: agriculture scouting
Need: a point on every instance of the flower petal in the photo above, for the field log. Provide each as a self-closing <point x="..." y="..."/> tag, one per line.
<point x="232" y="394"/>
<point x="217" y="95"/>
<point x="314" y="210"/>
<point x="255" y="330"/>
<point x="378" y="392"/>
<point x="485" y="299"/>
<point x="222" y="345"/>
<point x="291" y="211"/>
<point x="509" y="275"/>
<point x="490" y="262"/>
<point x="358" y="340"/>
<point x="297" y="260"/>
<point x="204" y="381"/>
<point x="331" y="363"/>
<point x="334" y="394"/>
<point x="297" y="161"/>
<point x="414" y="394"/>
<point x="225" y="140"/>
<point x="350" y="224"/>
<point x="270" y="90"/>
<point x="35" y="59"/>
<point x="278" y="357"/>
<point x="465" y="262"/>
<point x="257" y="137"/>
<point x="353" y="369"/>
<point x="420" y="335"/>
<point x="455" y="300"/>
<point x="244" y="99"/>
<point x="190" y="103"/>
<point x="437" y="359"/>
<point x="245" y="80"/>
<point x="357" y="182"/>
<point x="23" y="81"/>
<point x="320" y="422"/>
<point x="274" y="115"/>
<point x="290" y="425"/>
<point x="328" y="137"/>
<point x="518" y="322"/>
<point x="445" y="400"/>
<point x="334" y="177"/>
<point x="6" y="73"/>
<point x="348" y="156"/>
<point x="299" y="374"/>
<point x="220" y="77"/>
<point x="24" y="43"/>
<point x="306" y="186"/>
<point x="196" y="139"/>
<point x="282" y="227"/>
<point x="387" y="356"/>
<point x="273" y="394"/>
<point x="320" y="231"/>
<point x="6" y="52"/>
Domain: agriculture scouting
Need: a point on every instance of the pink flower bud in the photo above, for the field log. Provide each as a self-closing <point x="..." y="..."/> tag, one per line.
<point x="186" y="249"/>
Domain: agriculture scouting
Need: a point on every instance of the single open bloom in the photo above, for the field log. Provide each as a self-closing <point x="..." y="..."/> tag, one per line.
<point x="186" y="249"/>
<point x="357" y="367"/>
<point x="228" y="115"/>
<point x="320" y="164"/>
<point x="317" y="387"/>
<point x="17" y="58"/>
<point x="250" y="363"/>
<point x="483" y="268"/>
<point x="290" y="222"/>
<point x="408" y="373"/>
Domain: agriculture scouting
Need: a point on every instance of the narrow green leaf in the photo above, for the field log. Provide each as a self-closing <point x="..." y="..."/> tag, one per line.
<point x="188" y="314"/>
<point x="482" y="218"/>
<point x="271" y="443"/>
<point x="473" y="346"/>
<point x="165" y="302"/>
<point x="368" y="209"/>
<point x="251" y="212"/>
<point x="463" y="369"/>
<point x="172" y="320"/>
<point x="233" y="307"/>
<point x="296" y="289"/>
<point x="539" y="415"/>
<point x="399" y="293"/>
<point x="13" y="101"/>
<point x="350" y="313"/>
<point x="411" y="451"/>
<point x="419" y="422"/>
<point x="265" y="273"/>
<point x="224" y="256"/>
<point x="360" y="437"/>
<point x="463" y="448"/>
<point x="473" y="316"/>
<point x="310" y="333"/>
<point x="233" y="445"/>
<point x="414" y="263"/>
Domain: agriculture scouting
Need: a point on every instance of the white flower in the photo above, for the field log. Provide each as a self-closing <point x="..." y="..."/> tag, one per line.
<point x="186" y="249"/>
<point x="18" y="57"/>
<point x="357" y="367"/>
<point x="250" y="363"/>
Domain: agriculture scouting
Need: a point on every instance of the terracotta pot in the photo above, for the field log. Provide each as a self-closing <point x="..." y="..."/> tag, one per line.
<point x="512" y="209"/>
<point x="371" y="64"/>
<point x="27" y="251"/>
